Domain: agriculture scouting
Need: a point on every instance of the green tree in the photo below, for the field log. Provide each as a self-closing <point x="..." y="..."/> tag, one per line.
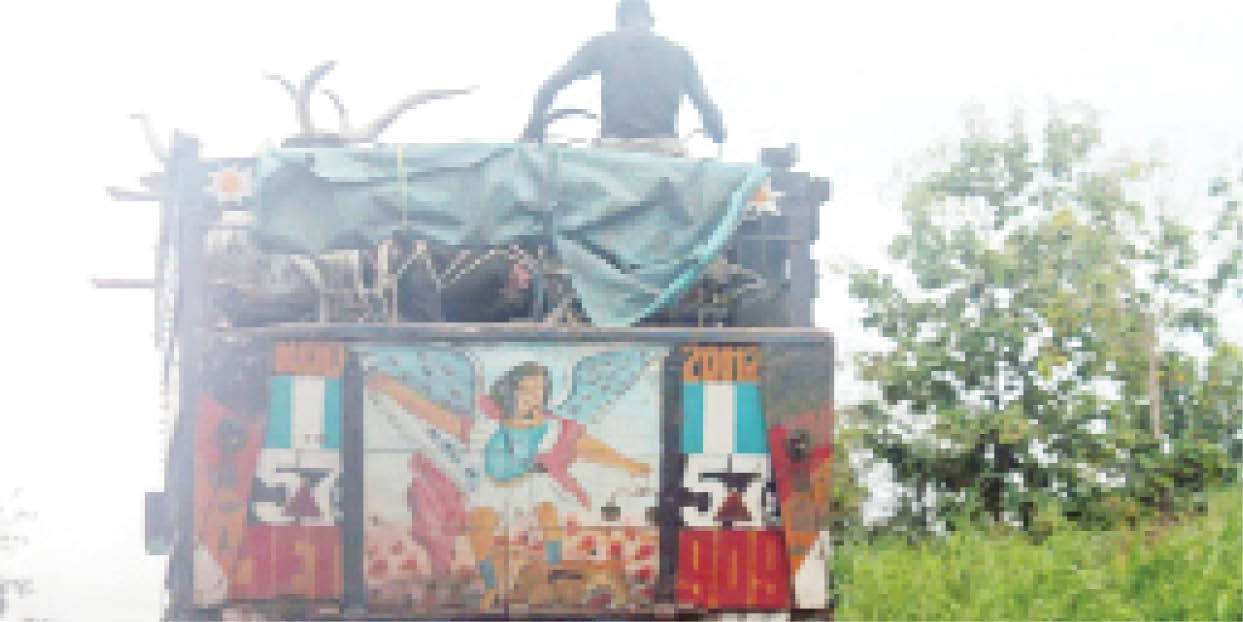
<point x="1025" y="368"/>
<point x="848" y="494"/>
<point x="1227" y="236"/>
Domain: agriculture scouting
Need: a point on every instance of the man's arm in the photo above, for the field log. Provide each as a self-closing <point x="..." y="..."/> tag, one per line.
<point x="708" y="112"/>
<point x="581" y="65"/>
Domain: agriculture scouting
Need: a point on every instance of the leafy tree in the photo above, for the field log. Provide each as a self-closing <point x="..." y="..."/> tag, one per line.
<point x="1026" y="368"/>
<point x="847" y="495"/>
<point x="1227" y="235"/>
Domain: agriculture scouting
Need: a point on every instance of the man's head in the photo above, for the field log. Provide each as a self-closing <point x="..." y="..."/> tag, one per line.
<point x="634" y="15"/>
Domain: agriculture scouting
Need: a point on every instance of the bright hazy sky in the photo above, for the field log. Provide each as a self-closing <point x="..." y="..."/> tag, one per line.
<point x="861" y="86"/>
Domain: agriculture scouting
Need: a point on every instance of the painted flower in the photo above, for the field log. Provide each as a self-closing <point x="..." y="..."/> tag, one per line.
<point x="764" y="201"/>
<point x="231" y="184"/>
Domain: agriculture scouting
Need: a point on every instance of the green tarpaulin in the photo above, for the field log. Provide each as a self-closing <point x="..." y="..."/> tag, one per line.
<point x="634" y="229"/>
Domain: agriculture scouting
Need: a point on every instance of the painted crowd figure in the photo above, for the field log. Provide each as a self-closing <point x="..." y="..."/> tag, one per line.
<point x="643" y="79"/>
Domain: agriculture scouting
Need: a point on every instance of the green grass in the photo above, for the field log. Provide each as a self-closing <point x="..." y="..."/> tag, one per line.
<point x="1188" y="570"/>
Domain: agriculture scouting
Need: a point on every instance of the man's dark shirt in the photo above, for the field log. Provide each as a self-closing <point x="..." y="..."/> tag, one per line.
<point x="643" y="79"/>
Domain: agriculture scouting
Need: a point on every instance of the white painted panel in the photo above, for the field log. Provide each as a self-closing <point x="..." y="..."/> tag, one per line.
<point x="719" y="406"/>
<point x="810" y="581"/>
<point x="386" y="486"/>
<point x="752" y="496"/>
<point x="323" y="488"/>
<point x="276" y="480"/>
<point x="308" y="412"/>
<point x="696" y="465"/>
<point x="211" y="586"/>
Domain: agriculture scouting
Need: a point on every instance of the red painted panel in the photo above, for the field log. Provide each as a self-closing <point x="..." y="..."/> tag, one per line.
<point x="283" y="561"/>
<point x="786" y="472"/>
<point x="770" y="570"/>
<point x="226" y="451"/>
<point x="803" y="486"/>
<point x="252" y="577"/>
<point x="329" y="564"/>
<point x="780" y="461"/>
<point x="697" y="567"/>
<point x="733" y="569"/>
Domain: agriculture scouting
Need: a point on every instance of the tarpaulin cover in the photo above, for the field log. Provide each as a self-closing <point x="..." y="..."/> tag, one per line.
<point x="634" y="229"/>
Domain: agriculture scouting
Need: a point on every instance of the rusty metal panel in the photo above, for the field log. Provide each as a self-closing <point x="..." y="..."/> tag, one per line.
<point x="798" y="403"/>
<point x="268" y="468"/>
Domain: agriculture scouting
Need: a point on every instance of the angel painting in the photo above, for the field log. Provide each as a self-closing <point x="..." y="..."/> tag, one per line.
<point x="470" y="439"/>
<point x="438" y="387"/>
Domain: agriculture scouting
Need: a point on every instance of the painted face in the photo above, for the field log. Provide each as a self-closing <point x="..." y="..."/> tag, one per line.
<point x="529" y="401"/>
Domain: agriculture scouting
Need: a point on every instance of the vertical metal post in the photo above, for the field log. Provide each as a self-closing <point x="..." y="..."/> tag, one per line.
<point x="548" y="205"/>
<point x="537" y="304"/>
<point x="187" y="180"/>
<point x="669" y="512"/>
<point x="352" y="546"/>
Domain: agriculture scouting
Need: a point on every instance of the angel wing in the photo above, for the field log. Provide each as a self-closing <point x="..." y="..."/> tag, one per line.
<point x="442" y="376"/>
<point x="598" y="380"/>
<point x="426" y="394"/>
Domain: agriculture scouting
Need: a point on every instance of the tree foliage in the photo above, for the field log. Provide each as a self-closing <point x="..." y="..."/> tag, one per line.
<point x="1026" y="336"/>
<point x="1227" y="236"/>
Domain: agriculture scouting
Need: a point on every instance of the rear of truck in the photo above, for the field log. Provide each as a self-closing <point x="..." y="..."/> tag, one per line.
<point x="642" y="428"/>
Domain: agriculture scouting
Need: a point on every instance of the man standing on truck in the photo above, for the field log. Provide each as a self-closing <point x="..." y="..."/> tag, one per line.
<point x="643" y="78"/>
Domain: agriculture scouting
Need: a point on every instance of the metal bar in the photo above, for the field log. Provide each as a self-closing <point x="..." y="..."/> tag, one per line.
<point x="121" y="194"/>
<point x="99" y="283"/>
<point x="187" y="179"/>
<point x="669" y="510"/>
<point x="532" y="332"/>
<point x="352" y="545"/>
<point x="540" y="287"/>
<point x="548" y="204"/>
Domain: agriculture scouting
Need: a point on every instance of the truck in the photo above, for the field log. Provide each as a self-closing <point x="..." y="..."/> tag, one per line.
<point x="488" y="381"/>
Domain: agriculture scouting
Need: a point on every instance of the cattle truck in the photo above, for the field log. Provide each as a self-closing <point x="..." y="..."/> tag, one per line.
<point x="488" y="381"/>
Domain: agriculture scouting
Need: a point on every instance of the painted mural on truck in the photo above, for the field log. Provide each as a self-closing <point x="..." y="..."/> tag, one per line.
<point x="731" y="552"/>
<point x="516" y="476"/>
<point x="526" y="472"/>
<point x="267" y="480"/>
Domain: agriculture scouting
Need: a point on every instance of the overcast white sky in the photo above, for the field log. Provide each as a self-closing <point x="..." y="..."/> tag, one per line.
<point x="861" y="86"/>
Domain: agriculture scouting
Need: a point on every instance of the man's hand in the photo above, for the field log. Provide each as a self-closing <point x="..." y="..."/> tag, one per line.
<point x="716" y="133"/>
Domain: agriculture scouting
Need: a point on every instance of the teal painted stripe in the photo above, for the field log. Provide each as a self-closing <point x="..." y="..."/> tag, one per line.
<point x="692" y="417"/>
<point x="750" y="437"/>
<point x="332" y="413"/>
<point x="280" y="413"/>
